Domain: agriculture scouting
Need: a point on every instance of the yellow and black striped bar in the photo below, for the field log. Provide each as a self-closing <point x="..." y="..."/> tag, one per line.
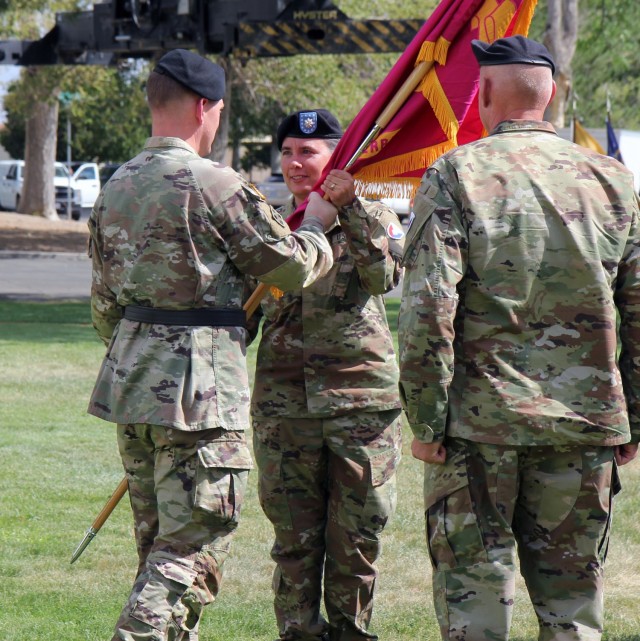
<point x="288" y="38"/>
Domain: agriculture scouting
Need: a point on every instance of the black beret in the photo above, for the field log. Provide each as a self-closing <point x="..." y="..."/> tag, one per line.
<point x="316" y="123"/>
<point x="194" y="72"/>
<point x="512" y="51"/>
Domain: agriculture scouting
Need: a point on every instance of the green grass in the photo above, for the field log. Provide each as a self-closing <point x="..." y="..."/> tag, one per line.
<point x="60" y="465"/>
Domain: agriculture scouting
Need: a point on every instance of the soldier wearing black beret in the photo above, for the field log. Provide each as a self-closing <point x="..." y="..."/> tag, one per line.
<point x="514" y="50"/>
<point x="325" y="405"/>
<point x="519" y="342"/>
<point x="198" y="74"/>
<point x="309" y="124"/>
<point x="174" y="236"/>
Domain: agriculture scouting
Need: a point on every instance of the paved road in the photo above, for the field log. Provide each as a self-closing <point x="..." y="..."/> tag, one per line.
<point x="53" y="276"/>
<point x="44" y="276"/>
<point x="50" y="276"/>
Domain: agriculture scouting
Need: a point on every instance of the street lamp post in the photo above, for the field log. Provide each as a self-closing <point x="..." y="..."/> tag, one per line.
<point x="66" y="98"/>
<point x="69" y="189"/>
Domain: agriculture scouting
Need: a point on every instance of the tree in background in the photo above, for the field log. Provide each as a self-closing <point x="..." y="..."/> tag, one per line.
<point x="38" y="103"/>
<point x="607" y="60"/>
<point x="560" y="37"/>
<point x="109" y="115"/>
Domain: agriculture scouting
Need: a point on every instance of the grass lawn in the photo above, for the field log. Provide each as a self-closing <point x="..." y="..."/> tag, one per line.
<point x="60" y="465"/>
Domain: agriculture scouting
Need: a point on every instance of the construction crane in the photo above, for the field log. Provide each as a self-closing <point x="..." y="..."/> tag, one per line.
<point x="122" y="29"/>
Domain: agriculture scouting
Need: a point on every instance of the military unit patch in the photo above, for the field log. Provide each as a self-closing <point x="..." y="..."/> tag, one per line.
<point x="395" y="232"/>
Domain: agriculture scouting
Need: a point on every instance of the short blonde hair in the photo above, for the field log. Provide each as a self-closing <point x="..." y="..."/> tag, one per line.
<point x="163" y="90"/>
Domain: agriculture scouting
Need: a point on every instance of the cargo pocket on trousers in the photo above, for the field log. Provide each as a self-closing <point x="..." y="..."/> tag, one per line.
<point x="157" y="602"/>
<point x="221" y="478"/>
<point x="453" y="536"/>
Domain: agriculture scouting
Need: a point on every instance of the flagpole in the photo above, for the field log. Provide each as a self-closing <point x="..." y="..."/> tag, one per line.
<point x="407" y="88"/>
<point x="249" y="307"/>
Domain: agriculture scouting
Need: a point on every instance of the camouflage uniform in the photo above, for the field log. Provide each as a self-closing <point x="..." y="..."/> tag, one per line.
<point x="175" y="231"/>
<point x="523" y="249"/>
<point x="325" y="410"/>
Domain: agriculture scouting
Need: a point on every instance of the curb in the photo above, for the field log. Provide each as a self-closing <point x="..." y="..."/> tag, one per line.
<point x="8" y="253"/>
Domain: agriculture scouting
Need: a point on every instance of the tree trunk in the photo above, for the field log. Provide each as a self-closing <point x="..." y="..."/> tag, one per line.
<point x="38" y="192"/>
<point x="560" y="37"/>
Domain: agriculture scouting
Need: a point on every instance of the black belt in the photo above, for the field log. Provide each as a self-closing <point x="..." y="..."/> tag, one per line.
<point x="221" y="317"/>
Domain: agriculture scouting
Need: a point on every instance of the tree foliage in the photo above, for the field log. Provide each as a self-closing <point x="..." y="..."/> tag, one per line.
<point x="109" y="115"/>
<point x="110" y="119"/>
<point x="607" y="60"/>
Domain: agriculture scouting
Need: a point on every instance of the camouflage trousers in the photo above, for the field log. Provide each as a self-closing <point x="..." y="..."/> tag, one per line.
<point x="186" y="490"/>
<point x="328" y="487"/>
<point x="552" y="505"/>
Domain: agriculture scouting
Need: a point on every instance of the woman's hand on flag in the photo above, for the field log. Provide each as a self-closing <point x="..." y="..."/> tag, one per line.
<point x="339" y="187"/>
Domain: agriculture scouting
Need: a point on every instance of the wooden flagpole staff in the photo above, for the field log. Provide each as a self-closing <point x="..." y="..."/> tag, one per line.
<point x="407" y="88"/>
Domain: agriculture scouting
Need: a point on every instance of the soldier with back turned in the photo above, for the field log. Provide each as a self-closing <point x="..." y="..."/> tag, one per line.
<point x="523" y="250"/>
<point x="172" y="237"/>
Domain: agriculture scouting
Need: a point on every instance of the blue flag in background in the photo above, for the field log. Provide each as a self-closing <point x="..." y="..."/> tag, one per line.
<point x="613" y="149"/>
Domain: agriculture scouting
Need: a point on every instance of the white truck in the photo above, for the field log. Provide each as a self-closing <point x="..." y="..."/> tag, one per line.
<point x="80" y="189"/>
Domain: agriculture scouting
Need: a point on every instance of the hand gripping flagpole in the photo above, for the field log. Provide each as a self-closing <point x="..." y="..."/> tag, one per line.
<point x="407" y="88"/>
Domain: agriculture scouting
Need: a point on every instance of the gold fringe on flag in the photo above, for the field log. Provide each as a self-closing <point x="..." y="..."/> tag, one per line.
<point x="430" y="51"/>
<point x="435" y="95"/>
<point x="391" y="188"/>
<point x="383" y="179"/>
<point x="403" y="163"/>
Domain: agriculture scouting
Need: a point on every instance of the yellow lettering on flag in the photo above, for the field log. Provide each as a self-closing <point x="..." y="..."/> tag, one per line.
<point x="377" y="145"/>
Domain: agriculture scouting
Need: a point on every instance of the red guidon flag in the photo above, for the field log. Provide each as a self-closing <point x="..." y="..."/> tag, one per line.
<point x="441" y="113"/>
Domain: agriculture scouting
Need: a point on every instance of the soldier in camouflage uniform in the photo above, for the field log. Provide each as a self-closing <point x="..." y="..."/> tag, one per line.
<point x="173" y="235"/>
<point x="325" y="405"/>
<point x="523" y="248"/>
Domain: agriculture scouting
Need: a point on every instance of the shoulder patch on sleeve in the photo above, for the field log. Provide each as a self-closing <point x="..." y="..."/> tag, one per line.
<point x="394" y="231"/>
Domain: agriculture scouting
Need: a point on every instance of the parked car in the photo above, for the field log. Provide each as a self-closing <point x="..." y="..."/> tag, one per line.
<point x="274" y="190"/>
<point x="67" y="188"/>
